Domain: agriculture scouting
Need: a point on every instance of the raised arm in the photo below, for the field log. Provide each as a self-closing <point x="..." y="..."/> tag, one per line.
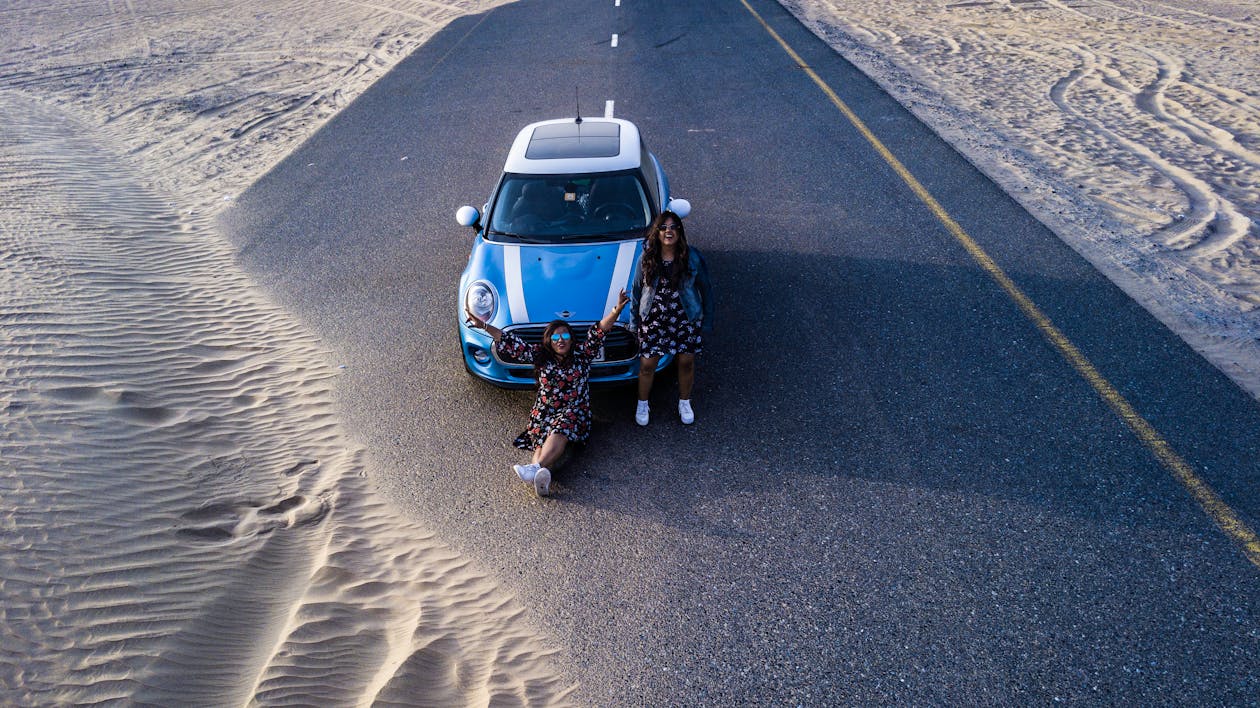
<point x="606" y="324"/>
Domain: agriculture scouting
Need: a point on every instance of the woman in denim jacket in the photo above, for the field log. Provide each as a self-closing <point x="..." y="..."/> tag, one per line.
<point x="672" y="305"/>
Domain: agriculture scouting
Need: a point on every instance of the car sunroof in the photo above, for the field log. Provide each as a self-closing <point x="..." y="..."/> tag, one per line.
<point x="565" y="140"/>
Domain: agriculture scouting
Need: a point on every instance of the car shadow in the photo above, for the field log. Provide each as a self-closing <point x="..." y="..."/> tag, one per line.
<point x="825" y="369"/>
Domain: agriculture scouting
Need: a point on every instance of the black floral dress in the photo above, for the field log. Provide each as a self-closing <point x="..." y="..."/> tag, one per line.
<point x="665" y="328"/>
<point x="563" y="404"/>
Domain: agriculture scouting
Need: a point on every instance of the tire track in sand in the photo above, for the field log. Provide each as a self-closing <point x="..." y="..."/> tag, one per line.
<point x="1211" y="222"/>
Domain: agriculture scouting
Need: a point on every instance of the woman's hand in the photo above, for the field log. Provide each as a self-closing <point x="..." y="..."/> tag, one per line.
<point x="606" y="324"/>
<point x="477" y="323"/>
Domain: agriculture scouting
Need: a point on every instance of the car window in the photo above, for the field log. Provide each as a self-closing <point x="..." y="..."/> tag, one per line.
<point x="649" y="173"/>
<point x="559" y="208"/>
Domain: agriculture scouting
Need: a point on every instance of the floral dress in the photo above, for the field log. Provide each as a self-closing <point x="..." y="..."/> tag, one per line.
<point x="665" y="328"/>
<point x="563" y="404"/>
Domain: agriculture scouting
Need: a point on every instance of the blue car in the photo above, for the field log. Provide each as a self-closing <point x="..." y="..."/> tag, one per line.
<point x="559" y="239"/>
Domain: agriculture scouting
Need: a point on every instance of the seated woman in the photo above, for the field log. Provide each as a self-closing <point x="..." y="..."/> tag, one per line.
<point x="562" y="409"/>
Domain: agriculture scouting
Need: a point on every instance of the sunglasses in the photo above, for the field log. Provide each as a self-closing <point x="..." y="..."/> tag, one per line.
<point x="669" y="227"/>
<point x="561" y="337"/>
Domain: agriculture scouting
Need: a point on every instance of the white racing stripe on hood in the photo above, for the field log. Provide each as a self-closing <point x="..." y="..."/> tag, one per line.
<point x="515" y="288"/>
<point x="621" y="275"/>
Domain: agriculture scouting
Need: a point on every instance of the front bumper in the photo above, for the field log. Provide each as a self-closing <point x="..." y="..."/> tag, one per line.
<point x="482" y="362"/>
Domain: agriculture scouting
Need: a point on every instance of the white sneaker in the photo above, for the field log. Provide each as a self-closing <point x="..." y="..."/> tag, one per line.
<point x="542" y="481"/>
<point x="526" y="472"/>
<point x="641" y="413"/>
<point x="685" y="412"/>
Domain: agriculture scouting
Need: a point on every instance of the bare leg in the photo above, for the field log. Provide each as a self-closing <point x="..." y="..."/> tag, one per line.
<point x="551" y="450"/>
<point x="686" y="375"/>
<point x="647" y="373"/>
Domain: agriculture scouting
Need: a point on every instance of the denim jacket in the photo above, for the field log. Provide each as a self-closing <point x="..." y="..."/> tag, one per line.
<point x="695" y="291"/>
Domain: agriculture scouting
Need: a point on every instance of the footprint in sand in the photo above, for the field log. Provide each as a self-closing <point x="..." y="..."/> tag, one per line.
<point x="226" y="521"/>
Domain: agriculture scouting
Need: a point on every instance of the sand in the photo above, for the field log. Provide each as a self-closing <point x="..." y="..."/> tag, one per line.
<point x="185" y="519"/>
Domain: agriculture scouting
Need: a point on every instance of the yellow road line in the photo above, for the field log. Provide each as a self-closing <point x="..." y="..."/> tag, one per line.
<point x="1220" y="512"/>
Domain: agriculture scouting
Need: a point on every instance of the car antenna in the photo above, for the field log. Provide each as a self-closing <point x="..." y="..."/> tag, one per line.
<point x="579" y="106"/>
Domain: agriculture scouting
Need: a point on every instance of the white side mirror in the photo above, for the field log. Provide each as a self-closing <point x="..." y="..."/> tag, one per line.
<point x="681" y="207"/>
<point x="467" y="216"/>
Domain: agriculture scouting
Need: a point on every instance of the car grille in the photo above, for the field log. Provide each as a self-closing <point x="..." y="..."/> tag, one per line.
<point x="619" y="345"/>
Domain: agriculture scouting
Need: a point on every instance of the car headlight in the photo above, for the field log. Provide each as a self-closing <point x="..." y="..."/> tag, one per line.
<point x="482" y="300"/>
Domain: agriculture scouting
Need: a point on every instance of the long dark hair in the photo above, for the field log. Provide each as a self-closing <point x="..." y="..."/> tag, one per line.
<point x="650" y="264"/>
<point x="546" y="354"/>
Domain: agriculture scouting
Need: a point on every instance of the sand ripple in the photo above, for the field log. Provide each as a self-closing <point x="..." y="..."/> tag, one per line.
<point x="183" y="522"/>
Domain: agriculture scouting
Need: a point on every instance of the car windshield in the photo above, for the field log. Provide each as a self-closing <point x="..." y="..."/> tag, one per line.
<point x="581" y="207"/>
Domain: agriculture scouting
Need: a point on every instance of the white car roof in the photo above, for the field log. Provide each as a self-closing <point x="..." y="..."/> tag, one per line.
<point x="567" y="146"/>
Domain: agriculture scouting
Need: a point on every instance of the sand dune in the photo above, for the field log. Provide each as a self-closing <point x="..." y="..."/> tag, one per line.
<point x="184" y="522"/>
<point x="1130" y="127"/>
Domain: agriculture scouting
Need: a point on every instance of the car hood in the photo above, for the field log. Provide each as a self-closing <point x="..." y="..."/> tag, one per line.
<point x="572" y="282"/>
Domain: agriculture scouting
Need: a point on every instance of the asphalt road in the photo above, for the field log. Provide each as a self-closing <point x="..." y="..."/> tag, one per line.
<point x="896" y="491"/>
